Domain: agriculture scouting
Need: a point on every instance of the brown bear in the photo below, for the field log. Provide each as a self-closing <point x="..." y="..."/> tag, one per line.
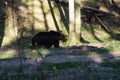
<point x="47" y="39"/>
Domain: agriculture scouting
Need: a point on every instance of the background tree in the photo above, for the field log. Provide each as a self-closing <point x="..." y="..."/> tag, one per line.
<point x="74" y="22"/>
<point x="10" y="31"/>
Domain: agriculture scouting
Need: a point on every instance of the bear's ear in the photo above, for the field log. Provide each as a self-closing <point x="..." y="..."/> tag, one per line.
<point x="51" y="31"/>
<point x="60" y="31"/>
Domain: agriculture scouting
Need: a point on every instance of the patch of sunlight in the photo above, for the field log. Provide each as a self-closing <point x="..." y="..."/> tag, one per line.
<point x="6" y="55"/>
<point x="43" y="52"/>
<point x="8" y="40"/>
<point x="29" y="2"/>
<point x="23" y="11"/>
<point x="102" y="35"/>
<point x="97" y="58"/>
<point x="116" y="54"/>
<point x="114" y="46"/>
<point x="9" y="53"/>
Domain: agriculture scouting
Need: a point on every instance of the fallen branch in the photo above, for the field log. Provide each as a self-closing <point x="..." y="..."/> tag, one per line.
<point x="106" y="28"/>
<point x="97" y="10"/>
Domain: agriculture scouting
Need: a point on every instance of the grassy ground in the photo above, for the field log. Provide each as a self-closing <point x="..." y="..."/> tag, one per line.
<point x="98" y="43"/>
<point x="80" y="70"/>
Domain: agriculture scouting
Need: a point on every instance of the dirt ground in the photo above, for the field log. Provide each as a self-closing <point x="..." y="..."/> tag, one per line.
<point x="96" y="59"/>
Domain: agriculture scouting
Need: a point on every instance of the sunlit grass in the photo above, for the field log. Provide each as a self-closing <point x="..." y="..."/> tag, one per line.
<point x="114" y="46"/>
<point x="40" y="53"/>
<point x="27" y="53"/>
<point x="7" y="55"/>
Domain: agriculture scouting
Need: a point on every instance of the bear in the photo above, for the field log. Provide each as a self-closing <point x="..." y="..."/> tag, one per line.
<point x="47" y="39"/>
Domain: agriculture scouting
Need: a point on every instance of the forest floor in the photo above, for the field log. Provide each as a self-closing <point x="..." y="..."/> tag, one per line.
<point x="73" y="54"/>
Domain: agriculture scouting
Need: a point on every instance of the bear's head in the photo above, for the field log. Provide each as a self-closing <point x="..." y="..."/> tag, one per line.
<point x="59" y="35"/>
<point x="62" y="37"/>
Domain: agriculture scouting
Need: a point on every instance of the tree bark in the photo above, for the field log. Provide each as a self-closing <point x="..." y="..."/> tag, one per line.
<point x="78" y="21"/>
<point x="74" y="22"/>
<point x="10" y="24"/>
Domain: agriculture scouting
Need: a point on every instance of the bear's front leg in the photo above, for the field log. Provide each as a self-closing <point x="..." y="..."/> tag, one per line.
<point x="56" y="44"/>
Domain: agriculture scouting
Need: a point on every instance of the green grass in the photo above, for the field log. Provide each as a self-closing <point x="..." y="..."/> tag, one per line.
<point x="21" y="77"/>
<point x="64" y="65"/>
<point x="87" y="35"/>
<point x="114" y="64"/>
<point x="113" y="46"/>
<point x="7" y="55"/>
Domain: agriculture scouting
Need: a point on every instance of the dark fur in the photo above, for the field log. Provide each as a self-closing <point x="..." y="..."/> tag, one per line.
<point x="47" y="39"/>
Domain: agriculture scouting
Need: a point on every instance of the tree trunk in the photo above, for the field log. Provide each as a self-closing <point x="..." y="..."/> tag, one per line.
<point x="10" y="25"/>
<point x="2" y="22"/>
<point x="78" y="21"/>
<point x="74" y="23"/>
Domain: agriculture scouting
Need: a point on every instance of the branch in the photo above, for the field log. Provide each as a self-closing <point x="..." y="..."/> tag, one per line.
<point x="97" y="10"/>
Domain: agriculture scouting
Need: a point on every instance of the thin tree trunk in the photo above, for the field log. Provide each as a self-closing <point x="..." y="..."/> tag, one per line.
<point x="78" y="21"/>
<point x="71" y="23"/>
<point x="74" y="22"/>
